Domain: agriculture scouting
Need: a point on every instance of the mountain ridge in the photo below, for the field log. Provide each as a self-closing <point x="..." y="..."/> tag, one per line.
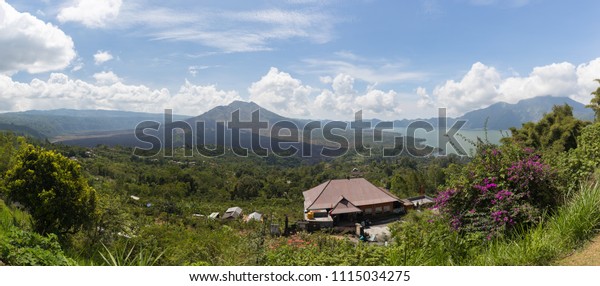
<point x="52" y="123"/>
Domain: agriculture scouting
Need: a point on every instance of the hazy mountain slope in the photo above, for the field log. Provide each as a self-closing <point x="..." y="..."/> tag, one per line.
<point x="51" y="123"/>
<point x="504" y="115"/>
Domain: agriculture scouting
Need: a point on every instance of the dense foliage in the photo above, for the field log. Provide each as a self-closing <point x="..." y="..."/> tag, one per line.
<point x="557" y="131"/>
<point x="595" y="102"/>
<point x="52" y="188"/>
<point x="502" y="188"/>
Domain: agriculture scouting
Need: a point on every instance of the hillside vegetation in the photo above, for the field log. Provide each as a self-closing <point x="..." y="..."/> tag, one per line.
<point x="533" y="200"/>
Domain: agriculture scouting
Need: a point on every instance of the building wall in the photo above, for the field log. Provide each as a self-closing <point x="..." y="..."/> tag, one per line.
<point x="377" y="209"/>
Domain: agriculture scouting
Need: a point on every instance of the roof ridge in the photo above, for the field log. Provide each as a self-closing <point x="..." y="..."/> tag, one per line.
<point x="320" y="193"/>
<point x="385" y="191"/>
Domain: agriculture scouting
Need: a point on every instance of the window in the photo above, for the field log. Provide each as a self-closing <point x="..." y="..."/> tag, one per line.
<point x="378" y="210"/>
<point x="368" y="211"/>
<point x="386" y="208"/>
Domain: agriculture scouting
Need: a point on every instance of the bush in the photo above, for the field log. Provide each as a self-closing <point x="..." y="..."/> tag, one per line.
<point x="24" y="248"/>
<point x="577" y="165"/>
<point x="572" y="225"/>
<point x="500" y="189"/>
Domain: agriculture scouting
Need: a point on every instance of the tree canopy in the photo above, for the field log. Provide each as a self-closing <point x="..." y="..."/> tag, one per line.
<point x="595" y="103"/>
<point x="556" y="131"/>
<point x="53" y="190"/>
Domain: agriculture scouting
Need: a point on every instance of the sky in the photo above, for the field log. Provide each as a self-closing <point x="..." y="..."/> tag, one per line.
<point x="317" y="59"/>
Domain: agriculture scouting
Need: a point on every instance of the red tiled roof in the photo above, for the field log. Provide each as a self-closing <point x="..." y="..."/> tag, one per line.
<point x="344" y="206"/>
<point x="358" y="191"/>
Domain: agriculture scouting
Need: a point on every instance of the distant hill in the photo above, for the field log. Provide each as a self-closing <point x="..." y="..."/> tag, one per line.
<point x="505" y="115"/>
<point x="224" y="113"/>
<point x="60" y="122"/>
<point x="245" y="137"/>
<point x="93" y="127"/>
<point x="502" y="115"/>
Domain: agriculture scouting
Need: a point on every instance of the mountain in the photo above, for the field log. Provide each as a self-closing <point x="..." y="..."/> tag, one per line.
<point x="61" y="122"/>
<point x="93" y="127"/>
<point x="501" y="115"/>
<point x="224" y="113"/>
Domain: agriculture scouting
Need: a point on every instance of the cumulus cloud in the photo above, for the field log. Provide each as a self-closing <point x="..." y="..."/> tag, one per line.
<point x="109" y="92"/>
<point x="478" y="88"/>
<point x="482" y="86"/>
<point x="196" y="99"/>
<point x="424" y="98"/>
<point x="102" y="56"/>
<point x="106" y="78"/>
<point x="91" y="13"/>
<point x="29" y="44"/>
<point x="281" y="92"/>
<point x="344" y="100"/>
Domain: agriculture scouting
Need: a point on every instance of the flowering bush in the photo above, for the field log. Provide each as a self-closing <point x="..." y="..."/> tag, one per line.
<point x="500" y="189"/>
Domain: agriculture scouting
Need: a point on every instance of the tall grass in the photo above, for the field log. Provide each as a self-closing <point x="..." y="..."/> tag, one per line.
<point x="13" y="217"/>
<point x="573" y="224"/>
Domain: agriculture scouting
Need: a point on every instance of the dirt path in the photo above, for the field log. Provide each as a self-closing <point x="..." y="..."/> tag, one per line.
<point x="589" y="254"/>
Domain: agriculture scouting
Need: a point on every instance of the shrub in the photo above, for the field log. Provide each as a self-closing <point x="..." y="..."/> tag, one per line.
<point x="500" y="189"/>
<point x="576" y="166"/>
<point x="25" y="248"/>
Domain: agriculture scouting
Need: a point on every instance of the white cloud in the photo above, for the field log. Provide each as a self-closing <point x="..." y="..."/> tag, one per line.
<point x="29" y="44"/>
<point x="236" y="31"/>
<point x="586" y="75"/>
<point x="343" y="100"/>
<point x="478" y="88"/>
<point x="371" y="70"/>
<point x="106" y="78"/>
<point x="91" y="13"/>
<point x="109" y="92"/>
<point x="424" y="98"/>
<point x="284" y="94"/>
<point x="555" y="79"/>
<point x="379" y="102"/>
<point x="280" y="92"/>
<point x="77" y="64"/>
<point x="482" y="86"/>
<point x="102" y="56"/>
<point x="196" y="99"/>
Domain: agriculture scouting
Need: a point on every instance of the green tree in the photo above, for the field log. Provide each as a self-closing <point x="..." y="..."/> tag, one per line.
<point x="556" y="131"/>
<point x="8" y="146"/>
<point x="53" y="190"/>
<point x="595" y="103"/>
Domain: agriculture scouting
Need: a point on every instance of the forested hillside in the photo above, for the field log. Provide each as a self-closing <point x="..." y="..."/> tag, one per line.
<point x="530" y="201"/>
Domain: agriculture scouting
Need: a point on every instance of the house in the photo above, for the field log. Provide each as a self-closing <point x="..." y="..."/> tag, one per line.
<point x="232" y="213"/>
<point x="422" y="201"/>
<point x="347" y="200"/>
<point x="253" y="216"/>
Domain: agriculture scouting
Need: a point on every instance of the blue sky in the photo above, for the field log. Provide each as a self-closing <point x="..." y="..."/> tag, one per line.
<point x="299" y="58"/>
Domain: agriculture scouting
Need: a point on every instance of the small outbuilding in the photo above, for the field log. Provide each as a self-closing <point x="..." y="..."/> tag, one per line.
<point x="418" y="202"/>
<point x="253" y="216"/>
<point x="232" y="213"/>
<point x="214" y="216"/>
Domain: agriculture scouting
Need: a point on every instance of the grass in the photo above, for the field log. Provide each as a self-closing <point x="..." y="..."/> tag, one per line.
<point x="13" y="217"/>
